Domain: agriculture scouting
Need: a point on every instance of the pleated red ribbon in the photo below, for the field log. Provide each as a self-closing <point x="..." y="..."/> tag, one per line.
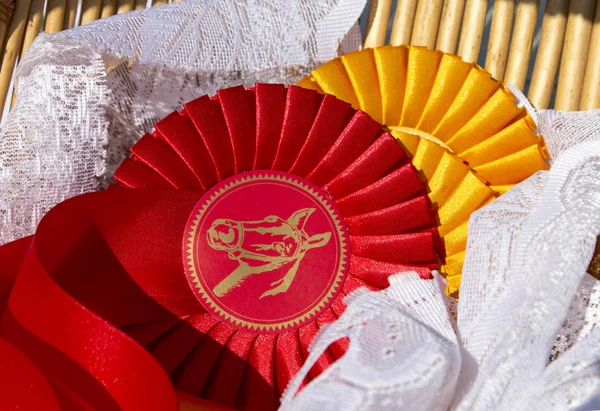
<point x="101" y="315"/>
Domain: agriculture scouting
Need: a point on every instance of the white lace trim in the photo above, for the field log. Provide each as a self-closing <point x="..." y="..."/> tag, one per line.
<point x="527" y="333"/>
<point x="87" y="94"/>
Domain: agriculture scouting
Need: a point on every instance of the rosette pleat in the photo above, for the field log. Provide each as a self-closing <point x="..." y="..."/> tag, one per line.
<point x="321" y="138"/>
<point x="237" y="106"/>
<point x="268" y="122"/>
<point x="300" y="111"/>
<point x="335" y="147"/>
<point x="103" y="312"/>
<point x="463" y="130"/>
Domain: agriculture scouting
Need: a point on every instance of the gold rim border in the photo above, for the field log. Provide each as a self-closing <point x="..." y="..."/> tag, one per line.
<point x="298" y="321"/>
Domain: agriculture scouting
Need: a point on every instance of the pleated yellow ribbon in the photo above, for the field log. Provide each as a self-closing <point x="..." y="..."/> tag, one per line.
<point x="468" y="138"/>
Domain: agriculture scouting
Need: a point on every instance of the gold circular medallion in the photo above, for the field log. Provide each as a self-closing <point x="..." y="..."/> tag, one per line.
<point x="266" y="251"/>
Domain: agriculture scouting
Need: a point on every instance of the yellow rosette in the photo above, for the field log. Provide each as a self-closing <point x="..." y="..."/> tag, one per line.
<point x="468" y="138"/>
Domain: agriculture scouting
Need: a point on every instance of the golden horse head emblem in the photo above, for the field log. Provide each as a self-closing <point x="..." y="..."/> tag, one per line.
<point x="262" y="246"/>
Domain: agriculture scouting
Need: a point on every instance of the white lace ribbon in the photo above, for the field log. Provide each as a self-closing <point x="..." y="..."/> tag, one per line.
<point x="527" y="333"/>
<point x="86" y="95"/>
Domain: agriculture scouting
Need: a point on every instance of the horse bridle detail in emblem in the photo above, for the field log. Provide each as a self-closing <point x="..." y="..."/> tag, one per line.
<point x="266" y="251"/>
<point x="263" y="246"/>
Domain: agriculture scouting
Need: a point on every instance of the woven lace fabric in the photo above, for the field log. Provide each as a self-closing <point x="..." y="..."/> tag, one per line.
<point x="86" y="95"/>
<point x="524" y="334"/>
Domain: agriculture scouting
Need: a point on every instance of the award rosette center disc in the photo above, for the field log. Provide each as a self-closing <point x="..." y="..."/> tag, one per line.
<point x="266" y="251"/>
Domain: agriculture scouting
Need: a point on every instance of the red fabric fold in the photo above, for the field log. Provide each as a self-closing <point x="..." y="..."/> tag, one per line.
<point x="413" y="248"/>
<point x="224" y="382"/>
<point x="338" y="348"/>
<point x="174" y="346"/>
<point x="352" y="283"/>
<point x="360" y="132"/>
<point x="157" y="155"/>
<point x="54" y="329"/>
<point x="307" y="335"/>
<point x="288" y="357"/>
<point x="191" y="376"/>
<point x="133" y="174"/>
<point x="377" y="273"/>
<point x="189" y="402"/>
<point x="270" y="109"/>
<point x="338" y="305"/>
<point x="438" y="242"/>
<point x="301" y="107"/>
<point x="332" y="118"/>
<point x="22" y="385"/>
<point x="400" y="218"/>
<point x="146" y="333"/>
<point x="392" y="189"/>
<point x="208" y="119"/>
<point x="11" y="258"/>
<point x="49" y="326"/>
<point x="102" y="285"/>
<point x="239" y="109"/>
<point x="382" y="155"/>
<point x="179" y="132"/>
<point x="129" y="242"/>
<point x="258" y="388"/>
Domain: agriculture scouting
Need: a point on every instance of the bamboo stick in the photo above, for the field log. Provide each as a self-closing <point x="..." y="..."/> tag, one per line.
<point x="90" y="11"/>
<point x="16" y="30"/>
<point x="472" y="30"/>
<point x="377" y="23"/>
<point x="140" y="4"/>
<point x="548" y="54"/>
<point x="497" y="51"/>
<point x="32" y="29"/>
<point x="575" y="49"/>
<point x="427" y="20"/>
<point x="6" y="9"/>
<point x="125" y="6"/>
<point x="34" y="23"/>
<point x="162" y="2"/>
<point x="452" y="14"/>
<point x="55" y="15"/>
<point x="521" y="42"/>
<point x="590" y="96"/>
<point x="70" y="14"/>
<point x="109" y="8"/>
<point x="403" y="22"/>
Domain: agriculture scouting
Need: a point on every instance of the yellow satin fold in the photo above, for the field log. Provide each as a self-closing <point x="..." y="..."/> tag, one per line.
<point x="502" y="189"/>
<point x="456" y="240"/>
<point x="476" y="89"/>
<point x="408" y="141"/>
<point x="427" y="157"/>
<point x="361" y="70"/>
<point x="446" y="177"/>
<point x="516" y="137"/>
<point x="391" y="68"/>
<point x="466" y="136"/>
<point x="496" y="113"/>
<point x="332" y="79"/>
<point x="451" y="74"/>
<point x="454" y="265"/>
<point x="469" y="195"/>
<point x="513" y="168"/>
<point x="420" y="75"/>
<point x="306" y="82"/>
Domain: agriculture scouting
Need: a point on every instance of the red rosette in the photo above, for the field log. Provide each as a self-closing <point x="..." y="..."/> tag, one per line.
<point x="295" y="197"/>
